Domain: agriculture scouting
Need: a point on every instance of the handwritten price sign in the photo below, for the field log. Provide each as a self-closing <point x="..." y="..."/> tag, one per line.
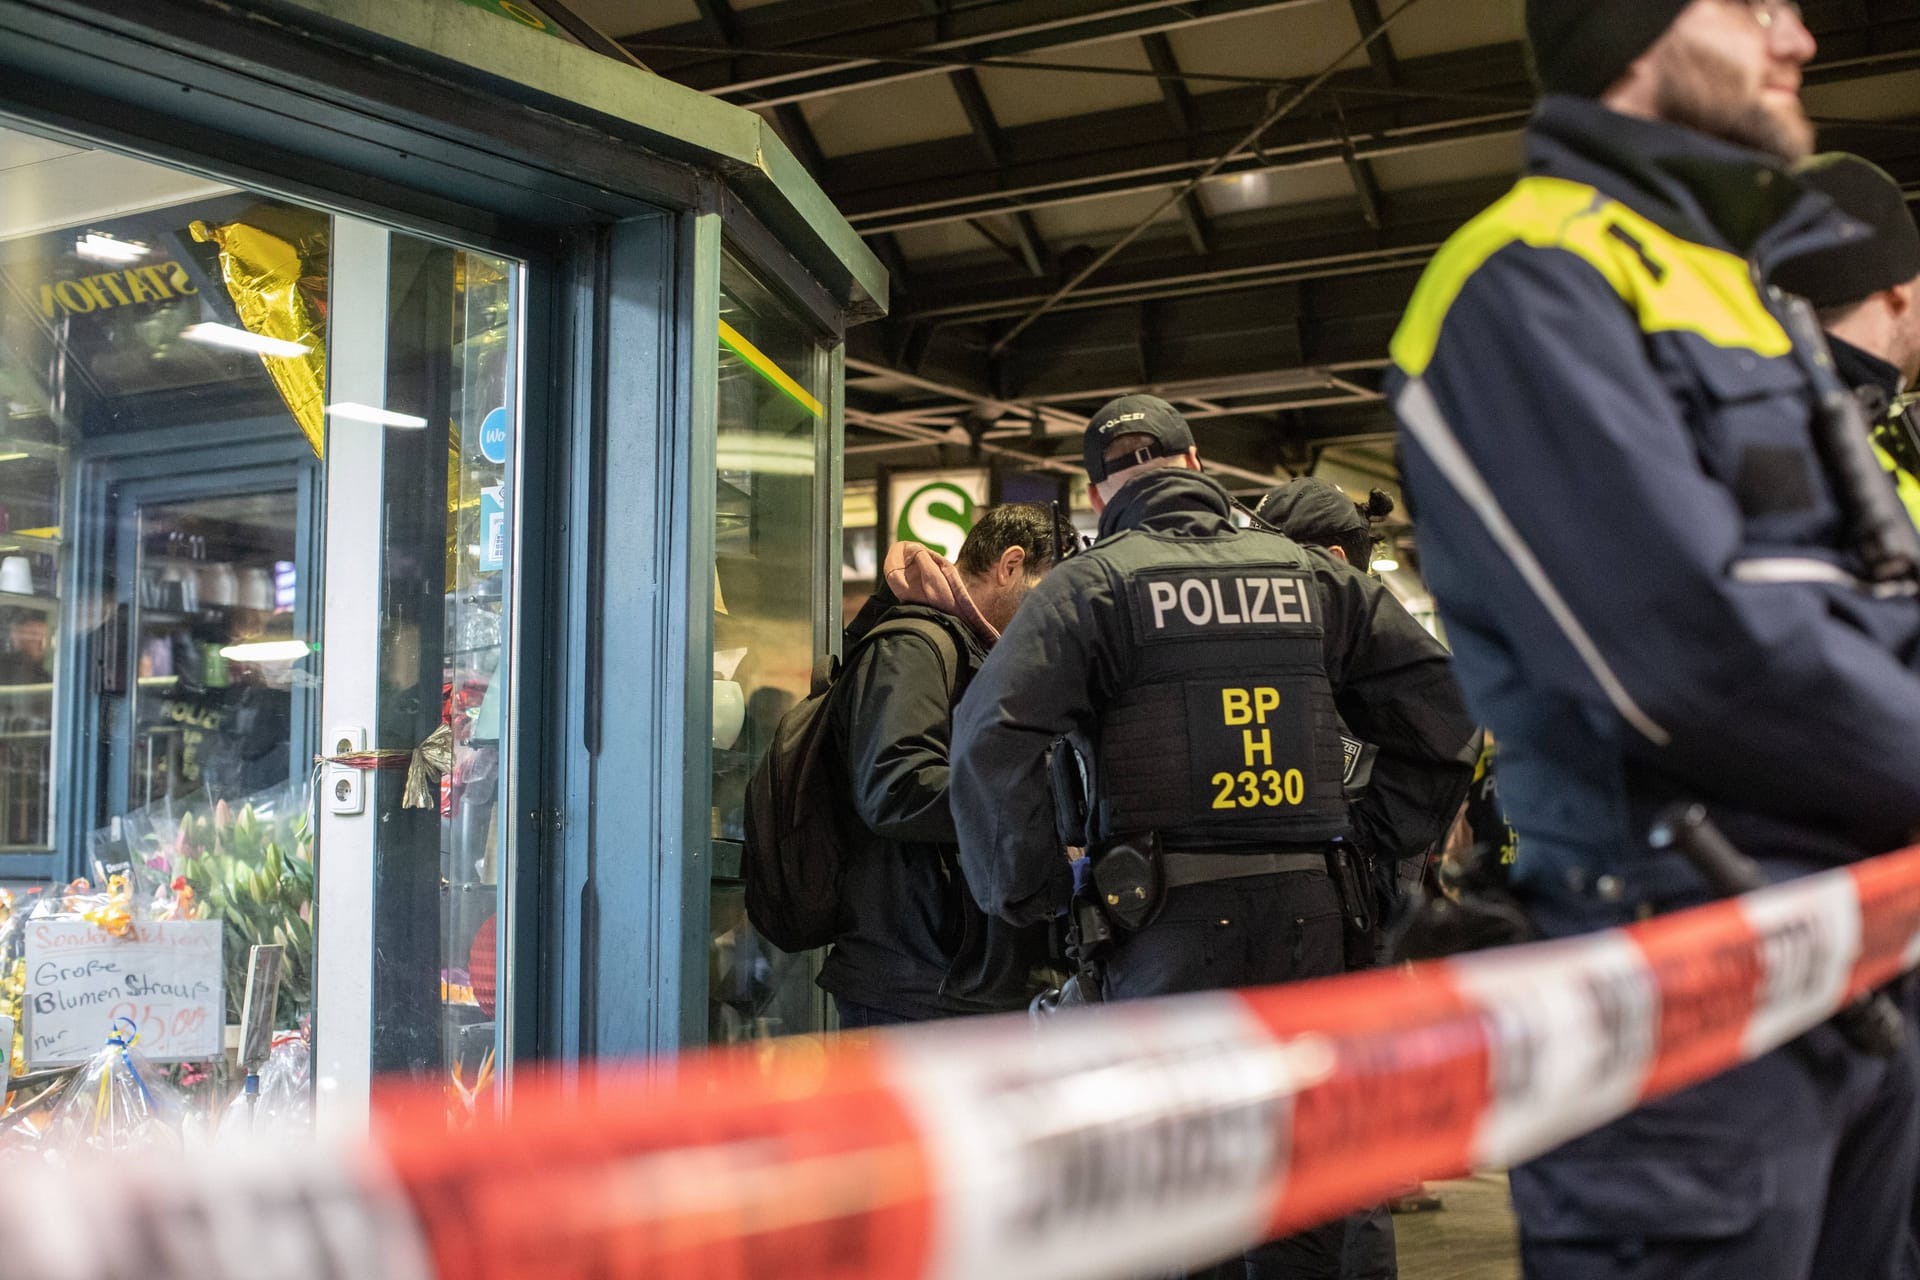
<point x="165" y="976"/>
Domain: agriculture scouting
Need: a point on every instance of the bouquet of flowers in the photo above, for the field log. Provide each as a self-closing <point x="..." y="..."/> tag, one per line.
<point x="279" y="1101"/>
<point x="252" y="870"/>
<point x="116" y="1102"/>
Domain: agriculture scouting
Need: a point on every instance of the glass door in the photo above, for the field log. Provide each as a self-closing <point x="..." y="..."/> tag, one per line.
<point x="258" y="477"/>
<point x="209" y="702"/>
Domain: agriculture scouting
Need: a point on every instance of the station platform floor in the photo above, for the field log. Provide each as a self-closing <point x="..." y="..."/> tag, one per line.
<point x="1471" y="1238"/>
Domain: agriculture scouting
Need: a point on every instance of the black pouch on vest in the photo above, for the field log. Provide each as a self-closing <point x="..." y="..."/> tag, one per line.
<point x="1361" y="920"/>
<point x="1130" y="880"/>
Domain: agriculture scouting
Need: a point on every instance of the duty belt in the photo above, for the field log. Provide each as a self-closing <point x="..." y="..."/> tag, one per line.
<point x="1205" y="868"/>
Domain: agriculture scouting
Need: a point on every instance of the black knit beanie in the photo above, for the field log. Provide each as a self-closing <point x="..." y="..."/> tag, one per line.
<point x="1863" y="266"/>
<point x="1582" y="46"/>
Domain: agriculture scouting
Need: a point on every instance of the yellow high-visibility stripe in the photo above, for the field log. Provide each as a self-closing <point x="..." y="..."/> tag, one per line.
<point x="1670" y="283"/>
<point x="732" y="339"/>
<point x="1903" y="480"/>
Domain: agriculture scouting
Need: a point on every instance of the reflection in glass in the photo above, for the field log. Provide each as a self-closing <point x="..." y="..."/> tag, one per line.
<point x="215" y="659"/>
<point x="478" y="538"/>
<point x="771" y="418"/>
<point x="158" y="482"/>
<point x="164" y="363"/>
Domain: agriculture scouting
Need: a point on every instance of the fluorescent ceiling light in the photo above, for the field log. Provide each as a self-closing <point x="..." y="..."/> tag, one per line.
<point x="13" y="457"/>
<point x="1385" y="564"/>
<point x="767" y="455"/>
<point x="225" y="335"/>
<point x="267" y="651"/>
<point x="106" y="249"/>
<point x="351" y="412"/>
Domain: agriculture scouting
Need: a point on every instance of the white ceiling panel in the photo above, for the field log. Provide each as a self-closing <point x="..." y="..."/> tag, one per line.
<point x="74" y="188"/>
<point x="1442" y="26"/>
<point x="894" y="114"/>
<point x="625" y="17"/>
<point x="1102" y="220"/>
<point x="1026" y="97"/>
<point x="1246" y="192"/>
<point x="1287" y="43"/>
<point x="20" y="149"/>
<point x="1450" y="162"/>
<point x="941" y="240"/>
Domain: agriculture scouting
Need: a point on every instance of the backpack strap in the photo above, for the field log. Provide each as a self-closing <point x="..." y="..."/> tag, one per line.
<point x="945" y="645"/>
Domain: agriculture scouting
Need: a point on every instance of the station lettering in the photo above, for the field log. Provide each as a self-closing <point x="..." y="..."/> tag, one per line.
<point x="155" y="282"/>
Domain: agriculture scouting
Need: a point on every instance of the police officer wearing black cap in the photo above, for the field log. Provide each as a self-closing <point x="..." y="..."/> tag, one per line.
<point x="1403" y="818"/>
<point x="1405" y="812"/>
<point x="1867" y="291"/>
<point x="1202" y="671"/>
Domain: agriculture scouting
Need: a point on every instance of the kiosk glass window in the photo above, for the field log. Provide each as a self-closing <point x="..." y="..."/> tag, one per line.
<point x="170" y="358"/>
<point x="773" y="375"/>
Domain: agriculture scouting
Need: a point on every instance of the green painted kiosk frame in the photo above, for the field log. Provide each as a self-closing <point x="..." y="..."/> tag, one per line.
<point x="643" y="380"/>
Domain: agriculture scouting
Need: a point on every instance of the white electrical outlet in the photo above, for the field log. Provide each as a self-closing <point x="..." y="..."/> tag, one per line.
<point x="346" y="787"/>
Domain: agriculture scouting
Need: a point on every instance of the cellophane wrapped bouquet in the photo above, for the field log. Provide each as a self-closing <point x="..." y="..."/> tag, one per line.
<point x="118" y="1101"/>
<point x="282" y="1104"/>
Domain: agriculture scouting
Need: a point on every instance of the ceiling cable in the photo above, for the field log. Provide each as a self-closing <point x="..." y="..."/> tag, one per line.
<point x="933" y="61"/>
<point x="1274" y="115"/>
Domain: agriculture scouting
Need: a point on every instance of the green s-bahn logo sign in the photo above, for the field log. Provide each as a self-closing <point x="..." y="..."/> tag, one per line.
<point x="938" y="515"/>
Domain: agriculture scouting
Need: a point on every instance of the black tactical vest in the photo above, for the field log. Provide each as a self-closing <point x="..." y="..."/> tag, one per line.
<point x="1227" y="738"/>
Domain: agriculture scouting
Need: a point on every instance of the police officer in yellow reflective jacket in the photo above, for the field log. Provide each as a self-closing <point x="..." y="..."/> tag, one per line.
<point x="1652" y="582"/>
<point x="1867" y="290"/>
<point x="1203" y="672"/>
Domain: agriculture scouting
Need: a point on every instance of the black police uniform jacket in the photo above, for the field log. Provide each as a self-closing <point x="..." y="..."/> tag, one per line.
<point x="913" y="943"/>
<point x="1198" y="667"/>
<point x="1608" y="439"/>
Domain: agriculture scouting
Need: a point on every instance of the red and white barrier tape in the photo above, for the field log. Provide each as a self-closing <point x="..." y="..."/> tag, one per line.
<point x="1125" y="1140"/>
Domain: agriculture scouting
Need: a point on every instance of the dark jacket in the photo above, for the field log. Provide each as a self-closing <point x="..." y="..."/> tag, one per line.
<point x="1638" y="556"/>
<point x="1070" y="650"/>
<point x="1896" y="435"/>
<point x="914" y="943"/>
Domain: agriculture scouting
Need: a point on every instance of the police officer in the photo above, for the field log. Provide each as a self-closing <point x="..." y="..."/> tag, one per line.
<point x="1315" y="513"/>
<point x="1406" y="811"/>
<point x="1867" y="291"/>
<point x="1201" y="670"/>
<point x="1623" y="460"/>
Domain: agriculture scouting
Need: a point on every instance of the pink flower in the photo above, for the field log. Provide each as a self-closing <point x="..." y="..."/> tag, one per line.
<point x="222" y="816"/>
<point x="158" y="862"/>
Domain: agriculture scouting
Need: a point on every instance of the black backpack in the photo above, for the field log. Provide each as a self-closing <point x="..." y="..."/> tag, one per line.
<point x="797" y="814"/>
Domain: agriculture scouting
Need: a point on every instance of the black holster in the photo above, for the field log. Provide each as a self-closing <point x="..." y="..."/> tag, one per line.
<point x="1125" y="885"/>
<point x="1359" y="912"/>
<point x="1088" y="938"/>
<point x="1129" y="880"/>
<point x="1475" y="912"/>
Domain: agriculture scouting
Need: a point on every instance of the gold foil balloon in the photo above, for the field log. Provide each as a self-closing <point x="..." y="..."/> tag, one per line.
<point x="264" y="275"/>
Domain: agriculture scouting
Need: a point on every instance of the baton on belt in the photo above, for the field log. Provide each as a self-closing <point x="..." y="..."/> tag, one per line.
<point x="1872" y="1023"/>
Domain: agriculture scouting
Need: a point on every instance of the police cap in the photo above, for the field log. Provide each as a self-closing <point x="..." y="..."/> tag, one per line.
<point x="1312" y="511"/>
<point x="1134" y="415"/>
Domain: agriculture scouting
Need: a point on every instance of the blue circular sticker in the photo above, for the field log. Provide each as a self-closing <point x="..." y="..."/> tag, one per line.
<point x="493" y="436"/>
